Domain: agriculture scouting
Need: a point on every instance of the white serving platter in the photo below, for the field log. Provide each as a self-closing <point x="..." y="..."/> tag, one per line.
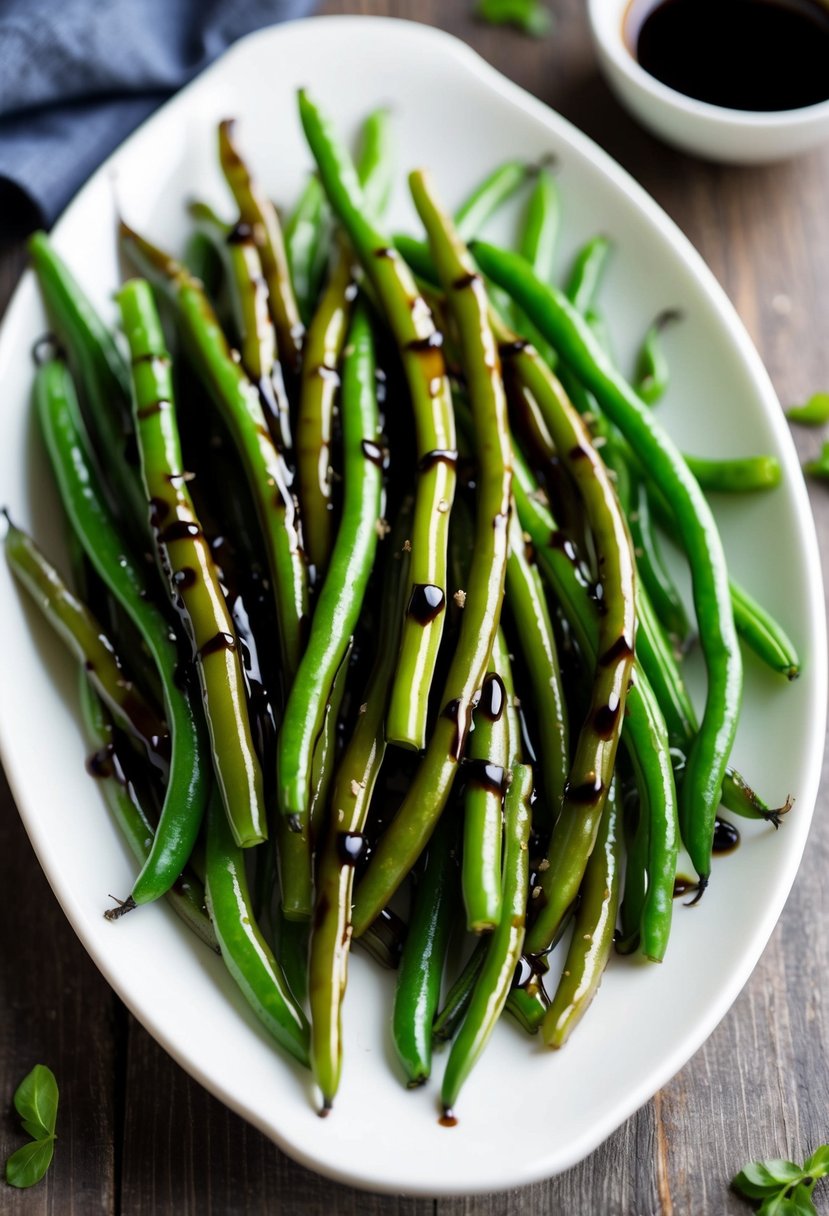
<point x="525" y="1113"/>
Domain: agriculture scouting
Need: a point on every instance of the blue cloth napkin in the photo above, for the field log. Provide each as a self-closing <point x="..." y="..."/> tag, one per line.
<point x="76" y="76"/>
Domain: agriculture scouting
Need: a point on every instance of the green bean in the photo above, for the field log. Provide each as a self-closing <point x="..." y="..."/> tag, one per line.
<point x="201" y="257"/>
<point x="651" y="374"/>
<point x="249" y="297"/>
<point x="650" y="565"/>
<point x="637" y="846"/>
<point x="259" y="213"/>
<point x="419" y="976"/>
<point x="306" y="248"/>
<point x="537" y="245"/>
<point x="755" y="626"/>
<point x="487" y="771"/>
<point x="404" y="840"/>
<point x="83" y="635"/>
<point x="375" y="163"/>
<point x="341" y="596"/>
<point x="350" y="801"/>
<point x="247" y="955"/>
<point x="185" y="560"/>
<point x="762" y="634"/>
<point x="187" y="788"/>
<point x="319" y="384"/>
<point x="488" y="196"/>
<point x="644" y="733"/>
<point x="708" y="756"/>
<point x="739" y="798"/>
<point x="103" y="378"/>
<point x="493" y="984"/>
<point x="592" y="942"/>
<point x="586" y="273"/>
<point x="815" y="412"/>
<point x="592" y="768"/>
<point x="528" y="1004"/>
<point x="186" y="895"/>
<point x="419" y="343"/>
<point x="738" y="475"/>
<point x="239" y="404"/>
<point x="457" y="1001"/>
<point x="536" y="641"/>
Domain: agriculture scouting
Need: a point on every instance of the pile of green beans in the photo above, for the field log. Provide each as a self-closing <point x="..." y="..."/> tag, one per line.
<point x="376" y="636"/>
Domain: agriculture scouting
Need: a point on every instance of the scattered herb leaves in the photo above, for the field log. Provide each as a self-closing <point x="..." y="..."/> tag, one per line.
<point x="781" y="1187"/>
<point x="36" y="1102"/>
<point x="530" y="16"/>
<point x="814" y="413"/>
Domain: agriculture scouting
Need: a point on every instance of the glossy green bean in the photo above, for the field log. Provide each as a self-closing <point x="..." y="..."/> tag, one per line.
<point x="419" y="343"/>
<point x="586" y="273"/>
<point x="738" y="475"/>
<point x="493" y="984"/>
<point x="188" y="784"/>
<point x="187" y="565"/>
<point x="249" y="300"/>
<point x="593" y="762"/>
<point x="761" y="632"/>
<point x="350" y="801"/>
<point x="306" y="246"/>
<point x="537" y="245"/>
<point x="186" y="895"/>
<point x="644" y="733"/>
<point x="595" y="924"/>
<point x="259" y="214"/>
<point x="341" y="596"/>
<point x="247" y="955"/>
<point x="103" y="378"/>
<point x="487" y="775"/>
<point x="457" y="1001"/>
<point x="419" y="975"/>
<point x="489" y="196"/>
<point x="637" y="844"/>
<point x="653" y="574"/>
<point x="239" y="404"/>
<point x="404" y="840"/>
<point x="318" y="391"/>
<point x="85" y="638"/>
<point x="651" y="374"/>
<point x="708" y="757"/>
<point x="527" y="605"/>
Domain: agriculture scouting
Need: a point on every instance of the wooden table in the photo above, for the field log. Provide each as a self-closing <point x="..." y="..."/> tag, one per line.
<point x="137" y="1136"/>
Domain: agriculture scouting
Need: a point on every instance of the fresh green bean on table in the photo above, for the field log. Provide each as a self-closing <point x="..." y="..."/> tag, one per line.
<point x="465" y="699"/>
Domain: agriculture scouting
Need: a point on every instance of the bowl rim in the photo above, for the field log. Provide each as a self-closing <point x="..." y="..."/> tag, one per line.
<point x="607" y="18"/>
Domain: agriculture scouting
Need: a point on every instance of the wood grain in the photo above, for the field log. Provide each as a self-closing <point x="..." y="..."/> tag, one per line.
<point x="138" y="1137"/>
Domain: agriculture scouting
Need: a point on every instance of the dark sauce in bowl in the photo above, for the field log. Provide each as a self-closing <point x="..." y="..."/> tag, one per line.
<point x="761" y="55"/>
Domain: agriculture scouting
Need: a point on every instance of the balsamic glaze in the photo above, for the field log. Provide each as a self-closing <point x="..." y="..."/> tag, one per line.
<point x="220" y="641"/>
<point x="726" y="837"/>
<point x="493" y="697"/>
<point x="761" y="55"/>
<point x="683" y="885"/>
<point x="180" y="529"/>
<point x="466" y="280"/>
<point x="587" y="792"/>
<point x="484" y="775"/>
<point x="605" y="719"/>
<point x="375" y="453"/>
<point x="426" y="603"/>
<point x="437" y="456"/>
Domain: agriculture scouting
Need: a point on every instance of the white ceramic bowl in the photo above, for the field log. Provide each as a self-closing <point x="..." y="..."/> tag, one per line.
<point x="713" y="132"/>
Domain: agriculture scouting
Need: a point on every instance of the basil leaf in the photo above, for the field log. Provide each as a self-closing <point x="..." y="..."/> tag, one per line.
<point x="36" y="1101"/>
<point x="814" y="413"/>
<point x="762" y="1178"/>
<point x="799" y="1203"/>
<point x="818" y="1164"/>
<point x="28" y="1165"/>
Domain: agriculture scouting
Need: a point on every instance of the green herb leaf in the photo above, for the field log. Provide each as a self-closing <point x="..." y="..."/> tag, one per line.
<point x="819" y="467"/>
<point x="530" y="16"/>
<point x="28" y="1165"/>
<point x="763" y="1178"/>
<point x="818" y="1164"/>
<point x="814" y="413"/>
<point x="36" y="1101"/>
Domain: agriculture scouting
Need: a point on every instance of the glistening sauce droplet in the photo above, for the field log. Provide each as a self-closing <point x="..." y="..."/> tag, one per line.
<point x="726" y="837"/>
<point x="426" y="603"/>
